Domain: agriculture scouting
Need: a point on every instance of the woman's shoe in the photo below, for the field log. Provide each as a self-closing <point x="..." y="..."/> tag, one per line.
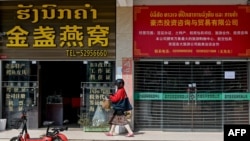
<point x="108" y="134"/>
<point x="130" y="135"/>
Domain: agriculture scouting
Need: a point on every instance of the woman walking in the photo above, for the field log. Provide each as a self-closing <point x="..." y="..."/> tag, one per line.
<point x="119" y="117"/>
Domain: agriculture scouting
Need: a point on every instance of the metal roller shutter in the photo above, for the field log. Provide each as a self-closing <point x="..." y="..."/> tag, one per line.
<point x="179" y="95"/>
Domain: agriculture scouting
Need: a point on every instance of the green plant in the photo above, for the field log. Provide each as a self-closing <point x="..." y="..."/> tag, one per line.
<point x="84" y="120"/>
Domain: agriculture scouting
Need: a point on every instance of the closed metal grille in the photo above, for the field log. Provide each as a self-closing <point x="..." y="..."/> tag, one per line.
<point x="190" y="95"/>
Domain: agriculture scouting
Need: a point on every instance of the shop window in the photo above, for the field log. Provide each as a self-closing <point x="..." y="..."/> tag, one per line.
<point x="99" y="84"/>
<point x="19" y="87"/>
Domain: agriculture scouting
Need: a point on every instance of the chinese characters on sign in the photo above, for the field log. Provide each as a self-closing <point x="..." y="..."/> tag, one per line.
<point x="95" y="93"/>
<point x="74" y="30"/>
<point x="203" y="18"/>
<point x="18" y="91"/>
<point x="20" y="94"/>
<point x="15" y="97"/>
<point x="71" y="36"/>
<point x="100" y="71"/>
<point x="16" y="69"/>
<point x="44" y="36"/>
<point x="194" y="31"/>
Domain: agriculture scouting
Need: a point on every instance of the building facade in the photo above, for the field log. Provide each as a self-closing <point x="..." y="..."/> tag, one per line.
<point x="182" y="92"/>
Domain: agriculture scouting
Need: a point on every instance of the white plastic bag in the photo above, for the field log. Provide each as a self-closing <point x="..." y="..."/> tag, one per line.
<point x="99" y="117"/>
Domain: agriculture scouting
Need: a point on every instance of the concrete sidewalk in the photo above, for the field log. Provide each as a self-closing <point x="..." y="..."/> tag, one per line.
<point x="75" y="134"/>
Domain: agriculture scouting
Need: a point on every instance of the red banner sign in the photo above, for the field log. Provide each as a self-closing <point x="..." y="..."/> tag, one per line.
<point x="192" y="31"/>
